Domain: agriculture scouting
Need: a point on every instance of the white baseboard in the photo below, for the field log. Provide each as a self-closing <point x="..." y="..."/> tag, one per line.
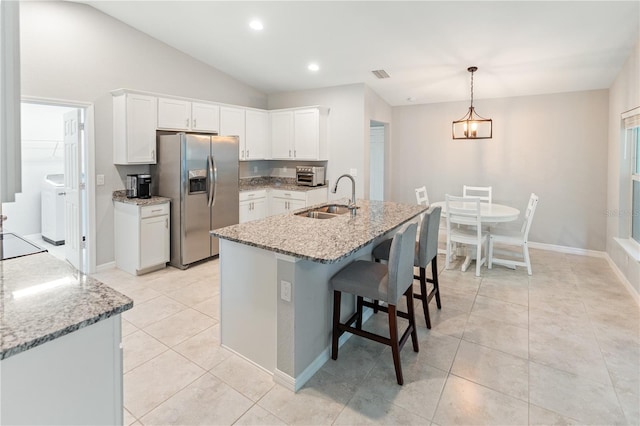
<point x="632" y="291"/>
<point x="105" y="266"/>
<point x="566" y="249"/>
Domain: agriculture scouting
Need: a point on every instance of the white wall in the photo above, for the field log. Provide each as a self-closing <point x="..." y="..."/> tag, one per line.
<point x="74" y="52"/>
<point x="375" y="108"/>
<point x="42" y="154"/>
<point x="553" y="145"/>
<point x="346" y="131"/>
<point x="624" y="95"/>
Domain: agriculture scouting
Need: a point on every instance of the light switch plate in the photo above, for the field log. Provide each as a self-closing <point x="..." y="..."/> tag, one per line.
<point x="285" y="291"/>
<point x="99" y="180"/>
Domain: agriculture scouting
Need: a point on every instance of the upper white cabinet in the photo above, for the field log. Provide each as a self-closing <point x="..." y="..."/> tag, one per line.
<point x="134" y="128"/>
<point x="257" y="146"/>
<point x="177" y="114"/>
<point x="232" y="122"/>
<point x="299" y="134"/>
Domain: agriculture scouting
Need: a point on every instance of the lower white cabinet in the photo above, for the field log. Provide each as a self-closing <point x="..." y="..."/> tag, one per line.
<point x="282" y="201"/>
<point x="253" y="205"/>
<point x="141" y="237"/>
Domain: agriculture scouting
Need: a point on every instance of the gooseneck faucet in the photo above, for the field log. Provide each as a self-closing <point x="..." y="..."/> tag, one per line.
<point x="352" y="202"/>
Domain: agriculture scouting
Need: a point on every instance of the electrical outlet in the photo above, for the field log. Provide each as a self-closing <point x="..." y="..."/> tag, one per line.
<point x="99" y="180"/>
<point x="353" y="172"/>
<point x="285" y="291"/>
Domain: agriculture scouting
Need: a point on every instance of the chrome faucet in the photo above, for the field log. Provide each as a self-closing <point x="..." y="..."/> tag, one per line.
<point x="352" y="202"/>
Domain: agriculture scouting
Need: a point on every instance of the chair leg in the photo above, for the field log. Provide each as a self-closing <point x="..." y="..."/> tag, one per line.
<point x="336" y="321"/>
<point x="436" y="284"/>
<point x="478" y="259"/>
<point x="447" y="262"/>
<point x="359" y="311"/>
<point x="412" y="319"/>
<point x="527" y="260"/>
<point x="490" y="255"/>
<point x="423" y="296"/>
<point x="395" y="348"/>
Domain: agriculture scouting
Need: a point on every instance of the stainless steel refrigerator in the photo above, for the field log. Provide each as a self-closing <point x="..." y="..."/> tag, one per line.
<point x="199" y="172"/>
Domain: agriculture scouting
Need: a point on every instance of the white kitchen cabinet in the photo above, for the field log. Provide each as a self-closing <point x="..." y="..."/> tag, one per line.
<point x="299" y="134"/>
<point x="232" y="123"/>
<point x="257" y="144"/>
<point x="253" y="205"/>
<point x="282" y="201"/>
<point x="141" y="237"/>
<point x="134" y="128"/>
<point x="177" y="114"/>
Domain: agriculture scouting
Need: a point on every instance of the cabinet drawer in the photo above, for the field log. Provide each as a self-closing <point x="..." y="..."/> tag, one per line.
<point x="154" y="210"/>
<point x="252" y="195"/>
<point x="290" y="195"/>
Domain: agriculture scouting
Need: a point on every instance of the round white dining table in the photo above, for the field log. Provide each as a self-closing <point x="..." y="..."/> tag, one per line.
<point x="489" y="213"/>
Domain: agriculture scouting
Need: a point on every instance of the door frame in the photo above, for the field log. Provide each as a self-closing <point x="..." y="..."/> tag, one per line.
<point x="89" y="207"/>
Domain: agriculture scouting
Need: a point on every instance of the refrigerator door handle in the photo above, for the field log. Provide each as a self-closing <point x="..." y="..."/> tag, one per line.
<point x="213" y="180"/>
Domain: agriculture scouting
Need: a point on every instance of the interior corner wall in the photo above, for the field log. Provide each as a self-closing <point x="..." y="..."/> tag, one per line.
<point x="375" y="108"/>
<point x="554" y="145"/>
<point x="624" y="94"/>
<point x="346" y="133"/>
<point x="71" y="51"/>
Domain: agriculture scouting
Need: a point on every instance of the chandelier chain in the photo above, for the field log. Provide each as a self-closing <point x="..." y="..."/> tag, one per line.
<point x="472" y="89"/>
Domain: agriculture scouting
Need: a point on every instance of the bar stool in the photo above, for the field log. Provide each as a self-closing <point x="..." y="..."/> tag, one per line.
<point x="376" y="281"/>
<point x="426" y="251"/>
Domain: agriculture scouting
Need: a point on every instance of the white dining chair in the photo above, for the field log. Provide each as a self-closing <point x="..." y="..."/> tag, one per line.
<point x="465" y="211"/>
<point x="482" y="192"/>
<point x="421" y="196"/>
<point x="518" y="238"/>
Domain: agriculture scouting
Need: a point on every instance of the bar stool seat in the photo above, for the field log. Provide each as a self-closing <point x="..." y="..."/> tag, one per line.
<point x="377" y="281"/>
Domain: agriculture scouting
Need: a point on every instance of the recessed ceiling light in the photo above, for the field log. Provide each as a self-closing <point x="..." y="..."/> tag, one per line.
<point x="256" y="25"/>
<point x="313" y="67"/>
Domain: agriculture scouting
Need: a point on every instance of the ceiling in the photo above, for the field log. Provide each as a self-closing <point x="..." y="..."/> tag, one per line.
<point x="520" y="47"/>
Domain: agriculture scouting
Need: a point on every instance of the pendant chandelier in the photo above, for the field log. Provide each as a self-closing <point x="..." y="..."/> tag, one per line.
<point x="472" y="126"/>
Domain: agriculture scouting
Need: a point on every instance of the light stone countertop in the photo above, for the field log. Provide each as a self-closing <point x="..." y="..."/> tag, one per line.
<point x="266" y="182"/>
<point x="67" y="300"/>
<point x="121" y="196"/>
<point x="322" y="240"/>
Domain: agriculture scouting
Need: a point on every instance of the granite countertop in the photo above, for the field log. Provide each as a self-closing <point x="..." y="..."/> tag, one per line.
<point x="44" y="298"/>
<point x="121" y="196"/>
<point x="269" y="182"/>
<point x="322" y="240"/>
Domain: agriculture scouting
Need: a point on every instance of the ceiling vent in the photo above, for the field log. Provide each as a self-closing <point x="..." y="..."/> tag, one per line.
<point x="380" y="73"/>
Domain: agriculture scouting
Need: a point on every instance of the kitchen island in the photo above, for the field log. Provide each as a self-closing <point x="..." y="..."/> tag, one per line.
<point x="60" y="334"/>
<point x="275" y="296"/>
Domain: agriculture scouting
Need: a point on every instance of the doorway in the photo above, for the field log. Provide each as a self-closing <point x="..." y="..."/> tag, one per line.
<point x="40" y="212"/>
<point x="377" y="136"/>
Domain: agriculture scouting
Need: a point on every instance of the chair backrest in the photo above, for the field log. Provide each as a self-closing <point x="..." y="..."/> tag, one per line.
<point x="428" y="239"/>
<point x="482" y="192"/>
<point x="401" y="256"/>
<point x="528" y="216"/>
<point x="463" y="211"/>
<point x="421" y="196"/>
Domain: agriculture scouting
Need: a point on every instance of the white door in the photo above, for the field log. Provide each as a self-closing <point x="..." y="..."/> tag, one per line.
<point x="72" y="189"/>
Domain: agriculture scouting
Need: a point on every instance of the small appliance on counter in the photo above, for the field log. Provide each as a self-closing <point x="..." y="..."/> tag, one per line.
<point x="309" y="175"/>
<point x="132" y="186"/>
<point x="144" y="186"/>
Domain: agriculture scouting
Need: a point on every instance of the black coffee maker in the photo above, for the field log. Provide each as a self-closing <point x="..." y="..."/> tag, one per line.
<point x="144" y="186"/>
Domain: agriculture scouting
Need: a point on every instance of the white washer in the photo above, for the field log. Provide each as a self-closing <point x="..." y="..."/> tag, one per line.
<point x="52" y="198"/>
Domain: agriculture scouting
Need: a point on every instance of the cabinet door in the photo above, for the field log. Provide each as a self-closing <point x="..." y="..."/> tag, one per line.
<point x="232" y="124"/>
<point x="259" y="209"/>
<point x="282" y="134"/>
<point x="295" y="205"/>
<point x="278" y="206"/>
<point x="257" y="135"/>
<point x="154" y="241"/>
<point x="174" y="114"/>
<point x="205" y="117"/>
<point x="140" y="129"/>
<point x="306" y="134"/>
<point x="245" y="211"/>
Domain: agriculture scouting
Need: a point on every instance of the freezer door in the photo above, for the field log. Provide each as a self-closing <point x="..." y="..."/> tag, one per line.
<point x="195" y="224"/>
<point x="226" y="205"/>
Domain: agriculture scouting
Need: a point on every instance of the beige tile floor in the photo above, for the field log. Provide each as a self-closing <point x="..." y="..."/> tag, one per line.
<point x="560" y="347"/>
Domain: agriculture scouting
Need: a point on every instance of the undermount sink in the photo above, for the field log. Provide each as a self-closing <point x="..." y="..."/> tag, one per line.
<point x="325" y="212"/>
